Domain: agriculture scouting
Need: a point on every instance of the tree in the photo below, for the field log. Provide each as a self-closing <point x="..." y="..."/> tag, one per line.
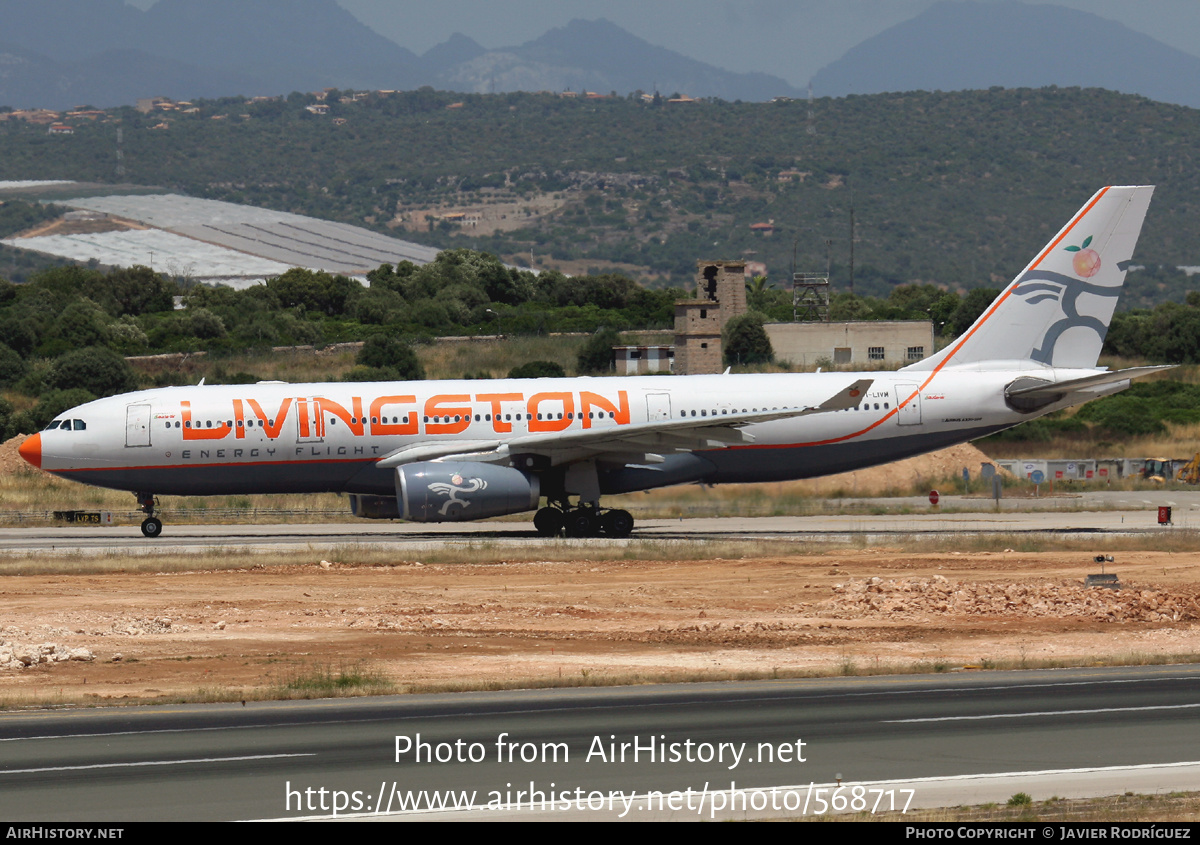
<point x="756" y="292"/>
<point x="134" y="291"/>
<point x="315" y="291"/>
<point x="746" y="341"/>
<point x="95" y="369"/>
<point x="974" y="304"/>
<point x="597" y="354"/>
<point x="12" y="368"/>
<point x="387" y="359"/>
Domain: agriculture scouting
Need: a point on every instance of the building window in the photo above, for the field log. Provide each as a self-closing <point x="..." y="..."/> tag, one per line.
<point x="875" y="353"/>
<point x="916" y="353"/>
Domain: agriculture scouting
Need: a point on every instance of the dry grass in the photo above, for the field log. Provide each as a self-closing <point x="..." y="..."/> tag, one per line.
<point x="29" y="491"/>
<point x="490" y="553"/>
<point x="485" y="553"/>
<point x="1175" y="540"/>
<point x="784" y="498"/>
<point x="298" y="679"/>
<point x="295" y="365"/>
<point x="447" y="359"/>
<point x="495" y="358"/>
<point x="1182" y="440"/>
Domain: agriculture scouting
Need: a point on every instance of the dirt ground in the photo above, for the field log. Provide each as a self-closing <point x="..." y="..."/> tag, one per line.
<point x="532" y="623"/>
<point x="415" y="626"/>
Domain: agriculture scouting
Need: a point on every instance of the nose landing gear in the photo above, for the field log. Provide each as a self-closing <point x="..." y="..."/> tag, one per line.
<point x="151" y="526"/>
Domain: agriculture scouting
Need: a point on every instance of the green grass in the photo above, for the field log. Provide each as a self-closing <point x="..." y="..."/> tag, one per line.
<point x="326" y="682"/>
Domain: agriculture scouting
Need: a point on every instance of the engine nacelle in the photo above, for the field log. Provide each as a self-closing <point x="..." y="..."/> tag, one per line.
<point x="458" y="492"/>
<point x="374" y="507"/>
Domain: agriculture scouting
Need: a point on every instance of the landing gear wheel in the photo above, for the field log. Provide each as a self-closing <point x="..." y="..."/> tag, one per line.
<point x="152" y="526"/>
<point x="549" y="522"/>
<point x="581" y="523"/>
<point x="617" y="524"/>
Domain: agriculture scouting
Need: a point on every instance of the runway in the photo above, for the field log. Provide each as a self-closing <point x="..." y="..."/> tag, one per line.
<point x="680" y="752"/>
<point x="412" y="537"/>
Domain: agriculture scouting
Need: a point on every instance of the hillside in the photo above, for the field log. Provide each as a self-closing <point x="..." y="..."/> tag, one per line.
<point x="591" y="56"/>
<point x="959" y="189"/>
<point x="956" y="45"/>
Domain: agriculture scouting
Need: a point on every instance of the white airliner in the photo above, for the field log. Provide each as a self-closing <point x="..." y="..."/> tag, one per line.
<point x="464" y="450"/>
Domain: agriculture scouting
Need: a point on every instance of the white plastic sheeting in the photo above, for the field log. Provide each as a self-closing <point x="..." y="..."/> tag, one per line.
<point x="162" y="251"/>
<point x="290" y="239"/>
<point x="32" y="183"/>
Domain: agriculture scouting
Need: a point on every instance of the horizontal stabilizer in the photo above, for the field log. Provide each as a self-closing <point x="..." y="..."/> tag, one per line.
<point x="1030" y="394"/>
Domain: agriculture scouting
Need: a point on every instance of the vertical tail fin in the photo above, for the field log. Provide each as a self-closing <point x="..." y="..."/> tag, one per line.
<point x="1056" y="312"/>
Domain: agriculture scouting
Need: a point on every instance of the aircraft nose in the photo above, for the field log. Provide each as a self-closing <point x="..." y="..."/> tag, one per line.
<point x="31" y="450"/>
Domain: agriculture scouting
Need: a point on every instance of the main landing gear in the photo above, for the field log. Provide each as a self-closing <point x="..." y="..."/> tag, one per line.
<point x="583" y="521"/>
<point x="151" y="525"/>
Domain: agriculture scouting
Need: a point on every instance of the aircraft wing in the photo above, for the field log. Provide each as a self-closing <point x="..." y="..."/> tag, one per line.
<point x="634" y="442"/>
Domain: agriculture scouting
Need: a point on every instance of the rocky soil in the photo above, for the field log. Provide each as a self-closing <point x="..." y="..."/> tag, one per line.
<point x="505" y="623"/>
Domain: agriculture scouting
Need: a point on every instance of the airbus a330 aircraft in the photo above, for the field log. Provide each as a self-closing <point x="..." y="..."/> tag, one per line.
<point x="465" y="450"/>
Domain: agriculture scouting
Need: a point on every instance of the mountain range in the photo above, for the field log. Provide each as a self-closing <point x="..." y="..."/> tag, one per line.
<point x="63" y="53"/>
<point x="956" y="46"/>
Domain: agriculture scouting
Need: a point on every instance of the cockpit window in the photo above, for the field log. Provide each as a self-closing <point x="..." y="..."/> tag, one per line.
<point x="67" y="425"/>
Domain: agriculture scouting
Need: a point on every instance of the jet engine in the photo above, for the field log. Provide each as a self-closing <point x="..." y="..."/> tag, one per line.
<point x="374" y="507"/>
<point x="458" y="492"/>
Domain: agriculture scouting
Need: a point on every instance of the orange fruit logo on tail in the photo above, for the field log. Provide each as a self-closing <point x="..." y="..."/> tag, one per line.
<point x="1086" y="262"/>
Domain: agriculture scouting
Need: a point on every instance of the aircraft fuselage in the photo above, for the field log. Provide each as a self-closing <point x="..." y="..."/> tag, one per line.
<point x="298" y="438"/>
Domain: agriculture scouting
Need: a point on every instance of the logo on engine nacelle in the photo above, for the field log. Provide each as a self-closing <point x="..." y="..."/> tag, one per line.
<point x="458" y="485"/>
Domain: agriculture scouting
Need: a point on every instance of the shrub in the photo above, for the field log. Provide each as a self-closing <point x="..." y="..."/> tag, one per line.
<point x="100" y="371"/>
<point x="390" y="358"/>
<point x="597" y="354"/>
<point x="537" y="369"/>
<point x="746" y="341"/>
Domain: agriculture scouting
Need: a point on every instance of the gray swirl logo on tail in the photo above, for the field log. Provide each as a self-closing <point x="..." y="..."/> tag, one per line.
<point x="1048" y="285"/>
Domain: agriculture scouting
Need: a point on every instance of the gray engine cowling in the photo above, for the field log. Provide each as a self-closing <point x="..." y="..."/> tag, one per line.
<point x="458" y="492"/>
<point x="374" y="507"/>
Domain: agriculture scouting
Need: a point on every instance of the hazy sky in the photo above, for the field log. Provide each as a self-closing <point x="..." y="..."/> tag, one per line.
<point x="789" y="38"/>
